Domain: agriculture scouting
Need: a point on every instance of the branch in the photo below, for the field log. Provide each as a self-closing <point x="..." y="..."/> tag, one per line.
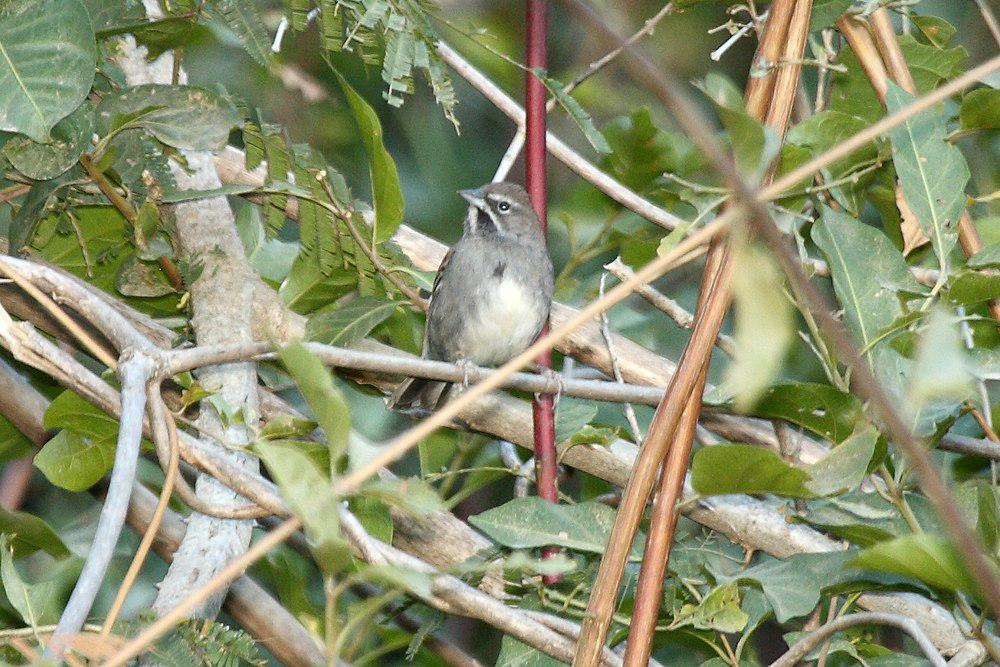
<point x="134" y="370"/>
<point x="801" y="648"/>
<point x="222" y="302"/>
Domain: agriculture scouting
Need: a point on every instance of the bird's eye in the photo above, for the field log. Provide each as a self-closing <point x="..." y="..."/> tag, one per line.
<point x="503" y="206"/>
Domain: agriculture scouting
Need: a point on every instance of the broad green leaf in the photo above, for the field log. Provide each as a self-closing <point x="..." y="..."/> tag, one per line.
<point x="735" y="468"/>
<point x="412" y="494"/>
<point x="988" y="256"/>
<point x="641" y="152"/>
<point x="345" y="325"/>
<point x="937" y="31"/>
<point x="968" y="287"/>
<point x="436" y="450"/>
<point x="13" y="443"/>
<point x="387" y="195"/>
<point x="572" y="416"/>
<point x="943" y="369"/>
<point x="307" y="488"/>
<point x="764" y="326"/>
<point x="306" y="288"/>
<point x="27" y="534"/>
<point x="324" y="399"/>
<point x="821" y="408"/>
<point x="47" y="63"/>
<point x="75" y="462"/>
<point x="179" y="116"/>
<point x="845" y="466"/>
<point x="863" y="529"/>
<point x="980" y="110"/>
<point x="754" y="146"/>
<point x="826" y="12"/>
<point x="272" y="258"/>
<point x="83" y="451"/>
<point x="244" y="19"/>
<point x="867" y="272"/>
<point x="37" y="603"/>
<point x="792" y="586"/>
<point x="575" y="111"/>
<point x="526" y="523"/>
<point x="405" y="579"/>
<point x="988" y="518"/>
<point x="720" y="611"/>
<point x="373" y="515"/>
<point x="69" y="139"/>
<point x="932" y="172"/>
<point x="514" y="653"/>
<point x="926" y="557"/>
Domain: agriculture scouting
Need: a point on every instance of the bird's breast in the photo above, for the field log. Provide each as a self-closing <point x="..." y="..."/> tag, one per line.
<point x="508" y="318"/>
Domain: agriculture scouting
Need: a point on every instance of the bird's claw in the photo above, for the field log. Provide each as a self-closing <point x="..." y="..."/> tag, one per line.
<point x="552" y="377"/>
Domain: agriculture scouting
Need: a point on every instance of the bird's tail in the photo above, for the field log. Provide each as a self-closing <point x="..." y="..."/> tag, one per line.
<point x="419" y="394"/>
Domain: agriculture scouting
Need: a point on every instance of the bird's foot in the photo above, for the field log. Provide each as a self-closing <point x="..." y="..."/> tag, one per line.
<point x="553" y="378"/>
<point x="467" y="367"/>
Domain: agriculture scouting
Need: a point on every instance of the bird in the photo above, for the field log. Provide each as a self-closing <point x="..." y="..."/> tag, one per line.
<point x="491" y="295"/>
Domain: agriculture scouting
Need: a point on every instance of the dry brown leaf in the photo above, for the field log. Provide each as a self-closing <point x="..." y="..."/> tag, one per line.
<point x="913" y="236"/>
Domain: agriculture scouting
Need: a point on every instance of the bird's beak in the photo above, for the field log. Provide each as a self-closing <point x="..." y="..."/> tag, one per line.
<point x="474" y="197"/>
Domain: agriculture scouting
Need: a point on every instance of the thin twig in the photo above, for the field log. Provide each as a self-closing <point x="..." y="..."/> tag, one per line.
<point x="990" y="20"/>
<point x="616" y="368"/>
<point x="661" y="301"/>
<point x="801" y="648"/>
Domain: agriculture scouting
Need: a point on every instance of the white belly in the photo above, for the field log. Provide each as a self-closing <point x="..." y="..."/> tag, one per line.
<point x="504" y="325"/>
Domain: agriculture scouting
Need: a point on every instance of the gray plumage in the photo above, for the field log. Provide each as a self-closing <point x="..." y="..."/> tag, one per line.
<point x="492" y="294"/>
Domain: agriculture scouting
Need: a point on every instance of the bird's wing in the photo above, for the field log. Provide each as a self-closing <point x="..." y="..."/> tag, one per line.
<point x="434" y="291"/>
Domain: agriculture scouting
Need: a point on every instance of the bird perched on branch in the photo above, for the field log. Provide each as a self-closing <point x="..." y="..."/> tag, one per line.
<point x="492" y="294"/>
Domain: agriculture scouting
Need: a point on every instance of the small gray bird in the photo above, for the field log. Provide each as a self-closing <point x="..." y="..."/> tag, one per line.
<point x="492" y="294"/>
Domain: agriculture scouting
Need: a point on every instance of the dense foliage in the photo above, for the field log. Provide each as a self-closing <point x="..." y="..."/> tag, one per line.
<point x="356" y="124"/>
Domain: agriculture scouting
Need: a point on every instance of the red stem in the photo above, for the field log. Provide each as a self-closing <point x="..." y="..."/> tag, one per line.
<point x="535" y="181"/>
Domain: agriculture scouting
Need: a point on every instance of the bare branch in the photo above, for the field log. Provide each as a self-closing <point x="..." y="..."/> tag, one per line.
<point x="134" y="370"/>
<point x="801" y="648"/>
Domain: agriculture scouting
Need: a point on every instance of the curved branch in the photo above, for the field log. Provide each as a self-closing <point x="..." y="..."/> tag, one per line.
<point x="134" y="370"/>
<point x="802" y="647"/>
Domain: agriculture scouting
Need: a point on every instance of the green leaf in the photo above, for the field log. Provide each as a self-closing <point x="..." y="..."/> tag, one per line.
<point x="720" y="611"/>
<point x="926" y="557"/>
<point x="575" y="111"/>
<point x="943" y="369"/>
<point x="179" y="116"/>
<point x="824" y="410"/>
<point x="69" y="139"/>
<point x="572" y="416"/>
<point x="754" y="146"/>
<point x="306" y="288"/>
<point x="734" y="468"/>
<point x="845" y="466"/>
<point x="387" y="195"/>
<point x="867" y="272"/>
<point x="980" y="110"/>
<point x="47" y="63"/>
<point x="792" y="586"/>
<point x="526" y="523"/>
<point x="969" y="287"/>
<point x="38" y="603"/>
<point x="27" y="534"/>
<point x="988" y="523"/>
<point x="764" y="326"/>
<point x="405" y="579"/>
<point x="13" y="443"/>
<point x="83" y="451"/>
<point x="74" y="462"/>
<point x="932" y="172"/>
<point x="988" y="256"/>
<point x="937" y="31"/>
<point x="514" y="653"/>
<point x="308" y="490"/>
<point x="345" y="325"/>
<point x="826" y="12"/>
<point x="244" y="19"/>
<point x="324" y="399"/>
